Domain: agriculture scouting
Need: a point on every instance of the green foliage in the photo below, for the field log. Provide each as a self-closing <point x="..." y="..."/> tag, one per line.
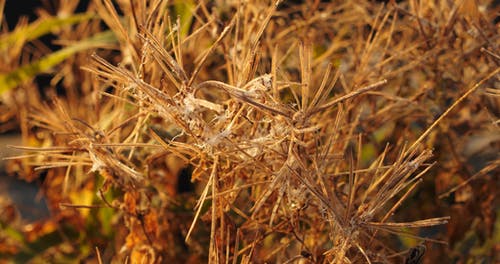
<point x="26" y="72"/>
<point x="184" y="10"/>
<point x="36" y="29"/>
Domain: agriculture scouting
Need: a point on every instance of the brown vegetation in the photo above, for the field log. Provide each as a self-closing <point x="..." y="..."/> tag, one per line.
<point x="263" y="132"/>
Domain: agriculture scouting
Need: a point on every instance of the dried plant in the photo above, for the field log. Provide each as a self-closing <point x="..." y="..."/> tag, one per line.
<point x="305" y="128"/>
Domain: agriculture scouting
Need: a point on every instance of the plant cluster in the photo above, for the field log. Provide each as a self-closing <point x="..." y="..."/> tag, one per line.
<point x="258" y="131"/>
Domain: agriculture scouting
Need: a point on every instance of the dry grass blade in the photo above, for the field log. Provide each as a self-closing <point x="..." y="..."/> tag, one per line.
<point x="415" y="224"/>
<point x="458" y="101"/>
<point x="347" y="96"/>
<point x="202" y="200"/>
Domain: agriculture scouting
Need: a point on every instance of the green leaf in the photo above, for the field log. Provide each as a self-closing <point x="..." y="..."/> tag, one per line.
<point x="24" y="73"/>
<point x="105" y="216"/>
<point x="184" y="9"/>
<point x="39" y="28"/>
<point x="35" y="251"/>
